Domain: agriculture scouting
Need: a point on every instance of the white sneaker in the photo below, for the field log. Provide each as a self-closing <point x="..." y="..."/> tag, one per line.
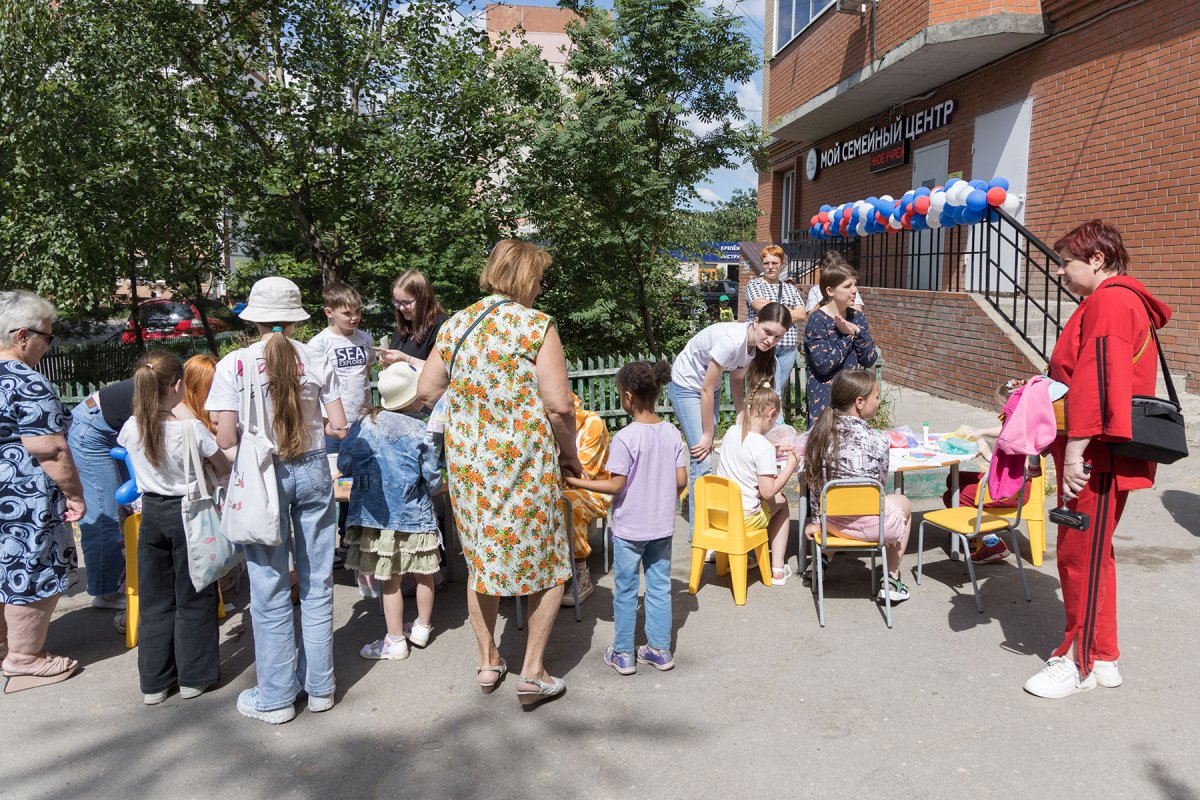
<point x="155" y="698"/>
<point x="417" y="634"/>
<point x="1106" y="673"/>
<point x="1058" y="679"/>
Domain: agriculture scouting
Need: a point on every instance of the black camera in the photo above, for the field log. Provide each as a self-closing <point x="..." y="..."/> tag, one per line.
<point x="1069" y="518"/>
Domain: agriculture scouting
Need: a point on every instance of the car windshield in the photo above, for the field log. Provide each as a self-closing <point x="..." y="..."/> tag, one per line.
<point x="164" y="314"/>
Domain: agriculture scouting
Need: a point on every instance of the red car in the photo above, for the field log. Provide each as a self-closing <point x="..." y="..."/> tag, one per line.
<point x="169" y="319"/>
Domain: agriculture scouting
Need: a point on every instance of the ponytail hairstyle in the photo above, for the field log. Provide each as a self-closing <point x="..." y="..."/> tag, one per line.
<point x="761" y="400"/>
<point x="831" y="258"/>
<point x="155" y="374"/>
<point x="644" y="380"/>
<point x="834" y="276"/>
<point x="197" y="381"/>
<point x="762" y="368"/>
<point x="821" y="452"/>
<point x="283" y="382"/>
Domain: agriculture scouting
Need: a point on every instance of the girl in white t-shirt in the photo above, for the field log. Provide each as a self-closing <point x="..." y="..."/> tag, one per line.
<point x="747" y="351"/>
<point x="297" y="383"/>
<point x="178" y="640"/>
<point x="749" y="460"/>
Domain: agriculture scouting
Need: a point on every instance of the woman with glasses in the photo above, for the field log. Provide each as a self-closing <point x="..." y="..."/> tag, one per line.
<point x="41" y="492"/>
<point x="419" y="317"/>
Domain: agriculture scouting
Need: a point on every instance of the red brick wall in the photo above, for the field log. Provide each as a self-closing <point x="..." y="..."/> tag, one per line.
<point x="942" y="343"/>
<point x="1114" y="102"/>
<point x="953" y="10"/>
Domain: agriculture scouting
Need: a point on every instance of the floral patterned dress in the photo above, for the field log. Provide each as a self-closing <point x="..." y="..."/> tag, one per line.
<point x="505" y="484"/>
<point x="37" y="550"/>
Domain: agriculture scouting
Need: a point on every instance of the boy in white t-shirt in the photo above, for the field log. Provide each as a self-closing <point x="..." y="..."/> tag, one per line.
<point x="350" y="353"/>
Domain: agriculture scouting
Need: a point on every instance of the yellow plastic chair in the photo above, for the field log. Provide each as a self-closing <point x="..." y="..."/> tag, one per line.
<point x="720" y="526"/>
<point x="849" y="497"/>
<point x="967" y="523"/>
<point x="1035" y="515"/>
<point x="133" y="526"/>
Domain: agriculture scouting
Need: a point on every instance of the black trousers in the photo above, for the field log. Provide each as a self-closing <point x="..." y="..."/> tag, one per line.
<point x="178" y="637"/>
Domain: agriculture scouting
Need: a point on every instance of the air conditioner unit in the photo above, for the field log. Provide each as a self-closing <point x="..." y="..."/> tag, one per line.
<point x="851" y="7"/>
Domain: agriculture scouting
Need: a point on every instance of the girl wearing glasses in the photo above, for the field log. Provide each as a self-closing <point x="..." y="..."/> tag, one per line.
<point x="419" y="317"/>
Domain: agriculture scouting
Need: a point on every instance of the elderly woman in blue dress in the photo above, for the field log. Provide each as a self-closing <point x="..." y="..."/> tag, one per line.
<point x="40" y="493"/>
<point x="836" y="336"/>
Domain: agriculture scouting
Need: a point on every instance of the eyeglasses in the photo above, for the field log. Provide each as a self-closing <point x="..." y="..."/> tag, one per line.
<point x="402" y="303"/>
<point x="49" y="336"/>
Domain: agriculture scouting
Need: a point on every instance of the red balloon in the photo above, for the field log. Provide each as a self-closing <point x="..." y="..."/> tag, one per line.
<point x="906" y="220"/>
<point x="813" y="222"/>
<point x="921" y="204"/>
<point x="846" y="212"/>
<point x="880" y="218"/>
<point x="996" y="195"/>
<point x="823" y="217"/>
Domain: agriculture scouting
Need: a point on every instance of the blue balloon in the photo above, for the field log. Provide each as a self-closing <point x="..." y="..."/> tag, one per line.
<point x="919" y="223"/>
<point x="128" y="492"/>
<point x="977" y="201"/>
<point x="923" y="191"/>
<point x="998" y="182"/>
<point x="959" y="212"/>
<point x="827" y="208"/>
<point x="978" y="184"/>
<point x="947" y="218"/>
<point x="970" y="216"/>
<point x="951" y="182"/>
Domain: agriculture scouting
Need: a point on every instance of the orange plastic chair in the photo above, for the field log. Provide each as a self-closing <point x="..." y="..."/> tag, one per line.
<point x="133" y="526"/>
<point x="720" y="526"/>
<point x="849" y="497"/>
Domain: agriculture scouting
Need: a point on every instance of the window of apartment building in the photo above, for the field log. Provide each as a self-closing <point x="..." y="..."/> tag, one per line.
<point x="793" y="16"/>
<point x="785" y="211"/>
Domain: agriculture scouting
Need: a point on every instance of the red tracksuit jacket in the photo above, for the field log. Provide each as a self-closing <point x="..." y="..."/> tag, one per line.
<point x="1094" y="357"/>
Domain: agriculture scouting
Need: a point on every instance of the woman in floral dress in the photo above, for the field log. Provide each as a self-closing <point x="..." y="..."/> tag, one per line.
<point x="510" y="406"/>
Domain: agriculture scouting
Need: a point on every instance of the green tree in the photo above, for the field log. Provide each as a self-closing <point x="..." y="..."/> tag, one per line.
<point x="734" y="220"/>
<point x="614" y="159"/>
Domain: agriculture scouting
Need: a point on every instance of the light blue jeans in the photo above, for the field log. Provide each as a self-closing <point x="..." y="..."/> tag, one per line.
<point x="686" y="404"/>
<point x="654" y="556"/>
<point x="307" y="522"/>
<point x="785" y="367"/>
<point x="90" y="439"/>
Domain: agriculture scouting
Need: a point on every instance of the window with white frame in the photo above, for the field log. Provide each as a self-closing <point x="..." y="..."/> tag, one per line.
<point x="793" y="16"/>
<point x="785" y="211"/>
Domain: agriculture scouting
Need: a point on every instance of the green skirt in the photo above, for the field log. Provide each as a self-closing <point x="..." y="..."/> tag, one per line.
<point x="384" y="553"/>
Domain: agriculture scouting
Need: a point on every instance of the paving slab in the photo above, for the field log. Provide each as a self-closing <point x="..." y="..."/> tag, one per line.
<point x="763" y="702"/>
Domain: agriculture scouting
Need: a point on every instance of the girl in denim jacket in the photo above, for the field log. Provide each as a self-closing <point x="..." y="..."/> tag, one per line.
<point x="391" y="529"/>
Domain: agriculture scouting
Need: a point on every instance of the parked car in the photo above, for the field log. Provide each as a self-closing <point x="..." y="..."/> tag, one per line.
<point x="711" y="292"/>
<point x="169" y="319"/>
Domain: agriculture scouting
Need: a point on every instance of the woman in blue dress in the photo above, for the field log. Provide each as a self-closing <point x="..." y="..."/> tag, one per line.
<point x="40" y="493"/>
<point x="836" y="336"/>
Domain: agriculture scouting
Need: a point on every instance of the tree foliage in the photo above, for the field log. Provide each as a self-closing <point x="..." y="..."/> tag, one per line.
<point x="734" y="220"/>
<point x="614" y="158"/>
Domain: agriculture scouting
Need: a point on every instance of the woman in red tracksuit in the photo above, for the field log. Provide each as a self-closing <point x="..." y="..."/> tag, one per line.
<point x="1106" y="355"/>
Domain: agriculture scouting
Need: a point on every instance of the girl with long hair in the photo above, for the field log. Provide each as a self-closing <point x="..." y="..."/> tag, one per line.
<point x="836" y="337"/>
<point x="298" y="383"/>
<point x="746" y="350"/>
<point x="177" y="628"/>
<point x="198" y="374"/>
<point x="419" y="317"/>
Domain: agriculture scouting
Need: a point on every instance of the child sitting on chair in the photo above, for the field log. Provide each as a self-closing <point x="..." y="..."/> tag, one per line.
<point x="842" y="445"/>
<point x="748" y="459"/>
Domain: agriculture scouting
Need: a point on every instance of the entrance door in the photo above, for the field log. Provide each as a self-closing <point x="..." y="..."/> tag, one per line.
<point x="925" y="260"/>
<point x="1001" y="149"/>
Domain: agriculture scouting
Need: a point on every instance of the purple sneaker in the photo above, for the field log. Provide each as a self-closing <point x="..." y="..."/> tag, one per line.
<point x="660" y="659"/>
<point x="623" y="663"/>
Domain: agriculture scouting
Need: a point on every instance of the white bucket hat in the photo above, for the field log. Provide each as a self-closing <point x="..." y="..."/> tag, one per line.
<point x="274" y="299"/>
<point x="398" y="385"/>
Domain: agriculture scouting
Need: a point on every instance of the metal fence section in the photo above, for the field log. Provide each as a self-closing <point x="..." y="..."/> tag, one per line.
<point x="107" y="362"/>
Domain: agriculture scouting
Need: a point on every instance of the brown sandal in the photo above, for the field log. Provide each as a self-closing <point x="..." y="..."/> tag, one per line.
<point x="501" y="669"/>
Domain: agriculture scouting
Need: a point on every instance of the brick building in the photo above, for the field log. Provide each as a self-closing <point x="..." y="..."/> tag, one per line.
<point x="1088" y="107"/>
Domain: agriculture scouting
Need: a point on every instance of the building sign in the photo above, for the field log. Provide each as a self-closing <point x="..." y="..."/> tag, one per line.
<point x="894" y="155"/>
<point x="812" y="164"/>
<point x="902" y="130"/>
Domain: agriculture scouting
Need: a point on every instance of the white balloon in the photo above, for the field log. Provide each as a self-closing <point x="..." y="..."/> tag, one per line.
<point x="887" y="197"/>
<point x="1012" y="204"/>
<point x="861" y="228"/>
<point x="934" y="220"/>
<point x="895" y="224"/>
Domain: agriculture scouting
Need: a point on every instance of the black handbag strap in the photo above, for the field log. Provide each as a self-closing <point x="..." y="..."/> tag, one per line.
<point x="1162" y="357"/>
<point x="463" y="338"/>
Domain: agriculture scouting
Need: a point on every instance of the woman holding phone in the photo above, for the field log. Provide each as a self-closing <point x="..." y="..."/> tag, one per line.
<point x="419" y="317"/>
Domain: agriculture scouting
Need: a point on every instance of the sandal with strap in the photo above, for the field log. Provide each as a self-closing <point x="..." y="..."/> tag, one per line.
<point x="545" y="691"/>
<point x="500" y="669"/>
<point x="48" y="670"/>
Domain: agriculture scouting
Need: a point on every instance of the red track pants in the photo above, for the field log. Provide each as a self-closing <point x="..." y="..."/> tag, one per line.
<point x="1088" y="570"/>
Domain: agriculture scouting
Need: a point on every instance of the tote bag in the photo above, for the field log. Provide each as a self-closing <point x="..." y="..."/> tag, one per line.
<point x="251" y="513"/>
<point x="210" y="554"/>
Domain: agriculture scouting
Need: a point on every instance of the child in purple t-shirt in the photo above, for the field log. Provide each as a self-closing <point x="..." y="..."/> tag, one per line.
<point x="648" y="464"/>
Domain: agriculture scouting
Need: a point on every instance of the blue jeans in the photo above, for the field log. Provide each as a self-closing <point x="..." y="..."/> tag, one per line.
<point x="90" y="439"/>
<point x="654" y="557"/>
<point x="785" y="366"/>
<point x="686" y="404"/>
<point x="307" y="522"/>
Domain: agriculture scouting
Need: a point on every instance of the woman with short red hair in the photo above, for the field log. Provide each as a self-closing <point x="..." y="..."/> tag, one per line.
<point x="1106" y="354"/>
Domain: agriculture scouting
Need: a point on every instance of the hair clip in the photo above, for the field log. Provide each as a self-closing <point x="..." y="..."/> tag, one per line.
<point x="277" y="329"/>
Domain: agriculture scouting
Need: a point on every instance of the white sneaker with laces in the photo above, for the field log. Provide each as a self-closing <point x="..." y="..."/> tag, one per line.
<point x="1106" y="673"/>
<point x="1058" y="679"/>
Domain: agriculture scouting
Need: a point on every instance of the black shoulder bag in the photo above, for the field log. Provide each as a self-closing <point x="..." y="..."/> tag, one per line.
<point x="1157" y="432"/>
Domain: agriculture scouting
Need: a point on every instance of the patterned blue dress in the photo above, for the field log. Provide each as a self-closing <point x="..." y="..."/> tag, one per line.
<point x="37" y="550"/>
<point x="828" y="351"/>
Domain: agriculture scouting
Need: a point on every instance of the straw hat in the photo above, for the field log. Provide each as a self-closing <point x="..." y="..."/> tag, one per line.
<point x="398" y="386"/>
<point x="274" y="299"/>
